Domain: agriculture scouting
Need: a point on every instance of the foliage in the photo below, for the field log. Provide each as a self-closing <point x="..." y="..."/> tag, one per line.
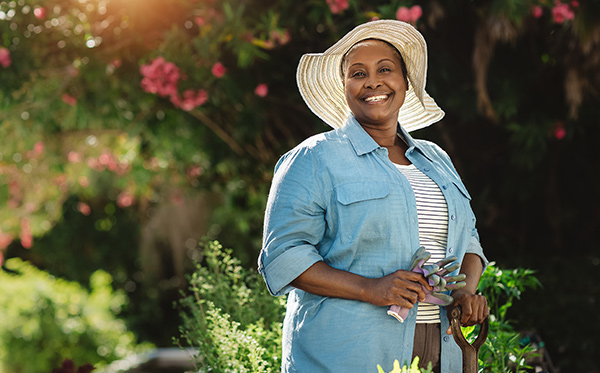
<point x="44" y="320"/>
<point x="414" y="368"/>
<point x="230" y="316"/>
<point x="503" y="350"/>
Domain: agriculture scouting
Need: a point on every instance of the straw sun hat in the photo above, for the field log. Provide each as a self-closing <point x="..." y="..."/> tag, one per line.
<point x="321" y="87"/>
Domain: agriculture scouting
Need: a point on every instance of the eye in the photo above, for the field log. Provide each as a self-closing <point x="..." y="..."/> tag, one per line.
<point x="357" y="74"/>
<point x="385" y="70"/>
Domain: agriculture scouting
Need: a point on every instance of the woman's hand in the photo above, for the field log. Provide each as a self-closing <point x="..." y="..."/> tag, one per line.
<point x="474" y="308"/>
<point x="403" y="288"/>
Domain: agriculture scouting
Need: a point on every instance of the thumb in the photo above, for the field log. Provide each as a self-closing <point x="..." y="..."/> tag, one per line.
<point x="449" y="331"/>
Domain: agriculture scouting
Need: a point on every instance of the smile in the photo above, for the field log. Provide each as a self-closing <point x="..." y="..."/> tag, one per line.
<point x="376" y="98"/>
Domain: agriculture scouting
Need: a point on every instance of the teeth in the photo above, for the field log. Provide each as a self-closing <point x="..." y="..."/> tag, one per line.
<point x="375" y="98"/>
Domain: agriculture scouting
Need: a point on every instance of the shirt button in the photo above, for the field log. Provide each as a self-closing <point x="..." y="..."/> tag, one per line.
<point x="452" y="217"/>
<point x="446" y="338"/>
<point x="451" y="250"/>
<point x="426" y="169"/>
<point x="444" y="187"/>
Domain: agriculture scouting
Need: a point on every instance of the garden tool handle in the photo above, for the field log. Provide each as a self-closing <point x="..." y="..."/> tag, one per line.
<point x="470" y="351"/>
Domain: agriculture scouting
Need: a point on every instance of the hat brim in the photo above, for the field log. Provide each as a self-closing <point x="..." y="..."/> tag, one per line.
<point x="320" y="83"/>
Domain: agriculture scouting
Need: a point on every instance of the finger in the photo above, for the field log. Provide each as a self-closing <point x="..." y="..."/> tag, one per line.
<point x="449" y="331"/>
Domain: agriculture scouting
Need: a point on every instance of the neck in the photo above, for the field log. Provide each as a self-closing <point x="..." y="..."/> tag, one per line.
<point x="384" y="136"/>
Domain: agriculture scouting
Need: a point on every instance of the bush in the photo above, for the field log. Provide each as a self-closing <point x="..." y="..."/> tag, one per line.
<point x="230" y="316"/>
<point x="44" y="320"/>
<point x="504" y="350"/>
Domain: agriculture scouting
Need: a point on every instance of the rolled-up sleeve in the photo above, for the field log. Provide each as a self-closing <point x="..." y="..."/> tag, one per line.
<point x="294" y="221"/>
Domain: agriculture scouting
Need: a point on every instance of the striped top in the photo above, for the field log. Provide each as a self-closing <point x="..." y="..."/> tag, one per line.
<point x="432" y="213"/>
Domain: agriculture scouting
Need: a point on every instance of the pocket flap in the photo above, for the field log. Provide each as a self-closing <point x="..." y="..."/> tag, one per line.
<point x="361" y="191"/>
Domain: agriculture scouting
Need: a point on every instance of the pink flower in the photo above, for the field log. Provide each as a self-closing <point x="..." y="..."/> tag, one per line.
<point x="261" y="90"/>
<point x="537" y="11"/>
<point x="337" y="6"/>
<point x="559" y="130"/>
<point x="562" y="12"/>
<point x="280" y="37"/>
<point x="69" y="100"/>
<point x="190" y="99"/>
<point x="84" y="208"/>
<point x="5" y="240"/>
<point x="74" y="157"/>
<point x="38" y="148"/>
<point x="125" y="200"/>
<point x="403" y="14"/>
<point x="200" y="21"/>
<point x="575" y="4"/>
<point x="160" y="77"/>
<point x="25" y="235"/>
<point x="218" y="70"/>
<point x="4" y="57"/>
<point x="415" y="13"/>
<point x="39" y="13"/>
<point x="411" y="15"/>
<point x="84" y="182"/>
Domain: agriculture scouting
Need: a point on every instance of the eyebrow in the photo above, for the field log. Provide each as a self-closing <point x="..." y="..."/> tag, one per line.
<point x="378" y="62"/>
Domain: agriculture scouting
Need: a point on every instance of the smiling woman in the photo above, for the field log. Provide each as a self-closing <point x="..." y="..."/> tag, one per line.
<point x="348" y="209"/>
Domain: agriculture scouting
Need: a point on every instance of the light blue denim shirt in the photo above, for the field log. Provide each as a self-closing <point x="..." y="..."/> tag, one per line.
<point x="338" y="198"/>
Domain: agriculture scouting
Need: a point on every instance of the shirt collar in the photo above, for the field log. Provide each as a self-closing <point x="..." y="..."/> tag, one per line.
<point x="363" y="143"/>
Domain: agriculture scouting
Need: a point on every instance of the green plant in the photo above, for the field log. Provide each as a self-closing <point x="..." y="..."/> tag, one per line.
<point x="44" y="320"/>
<point x="503" y="351"/>
<point x="230" y="316"/>
<point x="414" y="368"/>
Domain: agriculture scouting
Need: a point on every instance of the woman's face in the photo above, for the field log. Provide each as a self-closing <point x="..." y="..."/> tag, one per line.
<point x="374" y="84"/>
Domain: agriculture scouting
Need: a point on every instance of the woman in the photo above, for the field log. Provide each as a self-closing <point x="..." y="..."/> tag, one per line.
<point x="348" y="209"/>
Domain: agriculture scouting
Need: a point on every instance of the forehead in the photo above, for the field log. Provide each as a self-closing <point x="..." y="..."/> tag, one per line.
<point x="372" y="48"/>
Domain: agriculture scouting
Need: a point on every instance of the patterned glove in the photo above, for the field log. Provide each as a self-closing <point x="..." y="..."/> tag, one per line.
<point x="437" y="275"/>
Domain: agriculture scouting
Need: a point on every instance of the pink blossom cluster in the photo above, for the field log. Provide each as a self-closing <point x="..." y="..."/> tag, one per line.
<point x="39" y="13"/>
<point x="161" y="78"/>
<point x="26" y="236"/>
<point x="218" y="70"/>
<point x="559" y="130"/>
<point x="4" y="57"/>
<point x="68" y="99"/>
<point x="337" y="6"/>
<point x="411" y="15"/>
<point x="563" y="12"/>
<point x="190" y="99"/>
<point x="261" y="90"/>
<point x="106" y="161"/>
<point x="276" y="37"/>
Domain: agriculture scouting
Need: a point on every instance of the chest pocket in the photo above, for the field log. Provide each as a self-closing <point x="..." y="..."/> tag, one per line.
<point x="348" y="194"/>
<point x="362" y="208"/>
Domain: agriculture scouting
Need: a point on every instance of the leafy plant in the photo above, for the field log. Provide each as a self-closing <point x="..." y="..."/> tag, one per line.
<point x="230" y="316"/>
<point x="414" y="368"/>
<point x="503" y="351"/>
<point x="44" y="320"/>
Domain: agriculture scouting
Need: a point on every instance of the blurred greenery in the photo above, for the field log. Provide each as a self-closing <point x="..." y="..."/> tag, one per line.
<point x="98" y="172"/>
<point x="44" y="320"/>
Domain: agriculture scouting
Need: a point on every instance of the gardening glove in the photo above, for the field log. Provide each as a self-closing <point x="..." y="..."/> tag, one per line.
<point x="437" y="275"/>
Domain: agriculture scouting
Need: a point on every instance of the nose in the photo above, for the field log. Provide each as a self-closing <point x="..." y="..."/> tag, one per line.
<point x="373" y="82"/>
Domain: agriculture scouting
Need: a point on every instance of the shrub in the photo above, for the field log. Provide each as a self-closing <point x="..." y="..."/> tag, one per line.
<point x="44" y="320"/>
<point x="503" y="351"/>
<point x="230" y="316"/>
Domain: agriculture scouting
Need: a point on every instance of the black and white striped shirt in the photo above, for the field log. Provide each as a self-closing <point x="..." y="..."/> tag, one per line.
<point x="432" y="213"/>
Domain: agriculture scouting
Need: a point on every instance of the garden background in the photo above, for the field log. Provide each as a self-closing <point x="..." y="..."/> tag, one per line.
<point x="133" y="129"/>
